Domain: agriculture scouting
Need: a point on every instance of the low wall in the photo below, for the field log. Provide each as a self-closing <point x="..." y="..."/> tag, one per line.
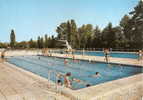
<point x="22" y="52"/>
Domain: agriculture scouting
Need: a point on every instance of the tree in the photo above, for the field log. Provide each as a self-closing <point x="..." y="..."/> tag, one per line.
<point x="125" y="25"/>
<point x="73" y="33"/>
<point x="32" y="44"/>
<point x="22" y="45"/>
<point x="119" y="41"/>
<point x="68" y="31"/>
<point x="39" y="42"/>
<point x="62" y="31"/>
<point x="84" y="35"/>
<point x="3" y="45"/>
<point x="12" y="39"/>
<point x="46" y="41"/>
<point x="109" y="36"/>
<point x="80" y="37"/>
<point x="53" y="42"/>
<point x="124" y="21"/>
<point x="136" y="26"/>
<point x="97" y="38"/>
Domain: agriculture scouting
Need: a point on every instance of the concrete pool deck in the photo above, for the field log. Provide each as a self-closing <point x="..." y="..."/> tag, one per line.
<point x="17" y="85"/>
<point x="113" y="60"/>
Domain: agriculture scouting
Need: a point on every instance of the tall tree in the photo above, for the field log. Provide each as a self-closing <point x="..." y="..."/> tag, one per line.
<point x="73" y="33"/>
<point x="53" y="42"/>
<point x="97" y="38"/>
<point x="125" y="25"/>
<point x="12" y="39"/>
<point x="22" y="45"/>
<point x="88" y="35"/>
<point x="109" y="36"/>
<point x="62" y="31"/>
<point x="137" y="25"/>
<point x="85" y="32"/>
<point x="39" y="42"/>
<point x="32" y="43"/>
<point x="46" y="41"/>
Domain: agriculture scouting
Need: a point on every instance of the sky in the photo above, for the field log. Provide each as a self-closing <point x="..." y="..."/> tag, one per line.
<point x="33" y="18"/>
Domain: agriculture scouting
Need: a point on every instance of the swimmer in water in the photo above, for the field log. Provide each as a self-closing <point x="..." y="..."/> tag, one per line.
<point x="65" y="61"/>
<point x="68" y="79"/>
<point x="97" y="74"/>
<point x="76" y="61"/>
<point x="88" y="85"/>
<point x="59" y="82"/>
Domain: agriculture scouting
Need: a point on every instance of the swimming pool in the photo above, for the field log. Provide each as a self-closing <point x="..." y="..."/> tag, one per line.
<point x="112" y="54"/>
<point x="82" y="70"/>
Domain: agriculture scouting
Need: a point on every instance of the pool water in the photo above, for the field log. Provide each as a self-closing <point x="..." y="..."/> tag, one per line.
<point x="112" y="54"/>
<point x="82" y="70"/>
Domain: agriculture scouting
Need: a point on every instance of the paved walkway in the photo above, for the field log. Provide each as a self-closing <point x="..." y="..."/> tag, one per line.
<point x="16" y="85"/>
<point x="125" y="61"/>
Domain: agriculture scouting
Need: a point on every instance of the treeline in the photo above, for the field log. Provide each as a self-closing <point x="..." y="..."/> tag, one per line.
<point x="41" y="42"/>
<point x="127" y="35"/>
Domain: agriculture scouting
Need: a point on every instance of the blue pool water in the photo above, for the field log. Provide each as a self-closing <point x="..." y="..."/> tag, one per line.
<point x="112" y="54"/>
<point x="81" y="70"/>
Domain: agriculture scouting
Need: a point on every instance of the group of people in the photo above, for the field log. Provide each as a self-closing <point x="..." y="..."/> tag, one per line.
<point x="107" y="54"/>
<point x="67" y="79"/>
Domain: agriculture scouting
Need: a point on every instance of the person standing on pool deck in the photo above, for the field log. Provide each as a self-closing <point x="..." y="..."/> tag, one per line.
<point x="140" y="54"/>
<point x="3" y="56"/>
<point x="106" y="53"/>
<point x="74" y="59"/>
